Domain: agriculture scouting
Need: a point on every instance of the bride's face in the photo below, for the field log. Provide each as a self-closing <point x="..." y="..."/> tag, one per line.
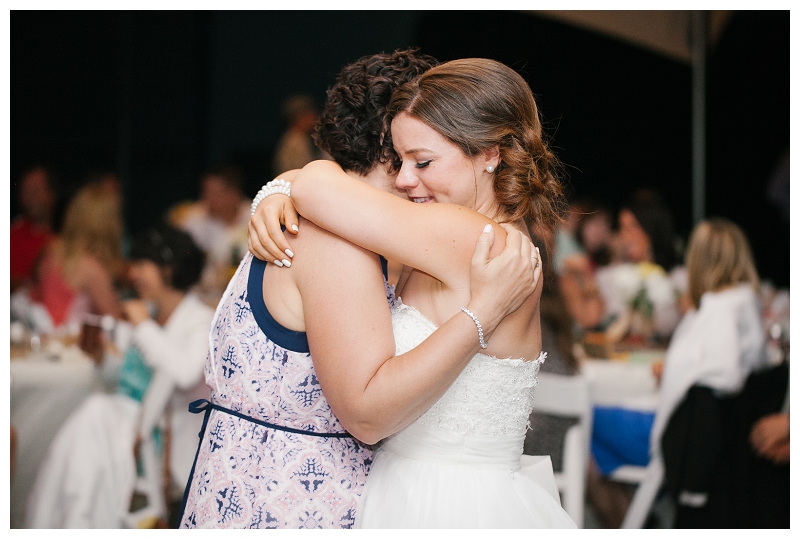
<point x="435" y="170"/>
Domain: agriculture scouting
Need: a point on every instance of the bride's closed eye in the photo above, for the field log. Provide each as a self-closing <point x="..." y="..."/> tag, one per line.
<point x="424" y="164"/>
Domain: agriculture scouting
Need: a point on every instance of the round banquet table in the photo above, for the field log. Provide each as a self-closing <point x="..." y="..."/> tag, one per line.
<point x="45" y="388"/>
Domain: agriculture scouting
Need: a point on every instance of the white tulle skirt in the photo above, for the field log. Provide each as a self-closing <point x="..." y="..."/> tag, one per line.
<point x="429" y="478"/>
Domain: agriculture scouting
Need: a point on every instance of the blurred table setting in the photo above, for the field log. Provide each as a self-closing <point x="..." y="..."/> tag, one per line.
<point x="50" y="376"/>
<point x="623" y="388"/>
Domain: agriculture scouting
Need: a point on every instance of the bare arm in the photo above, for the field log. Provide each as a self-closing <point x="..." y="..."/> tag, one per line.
<point x="373" y="392"/>
<point x="435" y="238"/>
<point x="96" y="282"/>
<point x="580" y="292"/>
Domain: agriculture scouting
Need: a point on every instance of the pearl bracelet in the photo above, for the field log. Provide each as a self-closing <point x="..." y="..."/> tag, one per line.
<point x="275" y="186"/>
<point x="484" y="344"/>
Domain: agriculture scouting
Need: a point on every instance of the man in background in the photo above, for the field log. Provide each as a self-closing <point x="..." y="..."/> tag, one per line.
<point x="296" y="147"/>
<point x="33" y="229"/>
<point x="218" y="224"/>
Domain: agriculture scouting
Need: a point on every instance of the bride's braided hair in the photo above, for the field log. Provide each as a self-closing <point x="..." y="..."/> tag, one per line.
<point x="478" y="104"/>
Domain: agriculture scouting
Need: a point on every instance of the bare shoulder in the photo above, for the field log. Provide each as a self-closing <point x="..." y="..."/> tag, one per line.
<point x="316" y="250"/>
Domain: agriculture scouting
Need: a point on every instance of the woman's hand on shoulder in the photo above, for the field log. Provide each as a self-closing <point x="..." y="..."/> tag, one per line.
<point x="500" y="285"/>
<point x="265" y="239"/>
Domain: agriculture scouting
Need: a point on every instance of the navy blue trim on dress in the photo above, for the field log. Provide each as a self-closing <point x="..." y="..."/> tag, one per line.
<point x="203" y="405"/>
<point x="384" y="267"/>
<point x="295" y="341"/>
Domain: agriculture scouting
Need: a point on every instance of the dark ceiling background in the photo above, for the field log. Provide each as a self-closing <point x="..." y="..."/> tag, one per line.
<point x="159" y="96"/>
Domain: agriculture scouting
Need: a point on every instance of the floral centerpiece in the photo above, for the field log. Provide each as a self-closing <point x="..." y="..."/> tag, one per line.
<point x="643" y="287"/>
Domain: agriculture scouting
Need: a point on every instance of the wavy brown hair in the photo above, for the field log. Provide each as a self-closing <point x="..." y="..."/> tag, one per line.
<point x="478" y="104"/>
<point x="353" y="127"/>
<point x="718" y="256"/>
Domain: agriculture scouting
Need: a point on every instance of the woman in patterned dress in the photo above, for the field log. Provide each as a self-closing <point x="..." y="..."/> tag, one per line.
<point x="277" y="453"/>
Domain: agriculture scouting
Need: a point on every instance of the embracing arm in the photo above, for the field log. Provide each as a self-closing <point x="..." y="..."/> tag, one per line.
<point x="373" y="392"/>
<point x="435" y="238"/>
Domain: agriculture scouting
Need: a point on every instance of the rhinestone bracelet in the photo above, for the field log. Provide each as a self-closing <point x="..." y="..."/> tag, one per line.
<point x="484" y="344"/>
<point x="275" y="186"/>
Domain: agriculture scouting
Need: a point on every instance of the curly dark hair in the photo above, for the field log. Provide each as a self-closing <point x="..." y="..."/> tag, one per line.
<point x="354" y="127"/>
<point x="655" y="218"/>
<point x="171" y="249"/>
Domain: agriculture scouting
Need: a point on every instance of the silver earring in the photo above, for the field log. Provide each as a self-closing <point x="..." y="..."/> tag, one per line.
<point x="490" y="169"/>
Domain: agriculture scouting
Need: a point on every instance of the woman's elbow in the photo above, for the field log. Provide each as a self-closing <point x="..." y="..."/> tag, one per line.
<point x="365" y="428"/>
<point x="366" y="434"/>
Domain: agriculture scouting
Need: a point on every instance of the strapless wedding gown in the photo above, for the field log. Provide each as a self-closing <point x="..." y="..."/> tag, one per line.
<point x="459" y="464"/>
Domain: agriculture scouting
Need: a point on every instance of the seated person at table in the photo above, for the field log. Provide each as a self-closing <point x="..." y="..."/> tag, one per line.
<point x="717" y="345"/>
<point x="77" y="272"/>
<point x="576" y="257"/>
<point x="87" y="479"/>
<point x="218" y="224"/>
<point x="33" y="229"/>
<point x="647" y="243"/>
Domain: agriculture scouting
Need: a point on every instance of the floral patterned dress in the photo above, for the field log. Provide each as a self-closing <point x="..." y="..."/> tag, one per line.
<point x="295" y="473"/>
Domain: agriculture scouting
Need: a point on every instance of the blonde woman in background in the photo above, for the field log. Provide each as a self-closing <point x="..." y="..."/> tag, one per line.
<point x="77" y="271"/>
<point x="717" y="345"/>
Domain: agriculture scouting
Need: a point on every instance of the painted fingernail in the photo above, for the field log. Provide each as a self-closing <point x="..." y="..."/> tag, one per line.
<point x="294" y="227"/>
<point x="287" y="263"/>
<point x="487" y="228"/>
<point x="289" y="253"/>
<point x="277" y="263"/>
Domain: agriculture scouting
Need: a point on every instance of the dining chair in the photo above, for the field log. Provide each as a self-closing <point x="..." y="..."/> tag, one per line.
<point x="629" y="473"/>
<point x="568" y="396"/>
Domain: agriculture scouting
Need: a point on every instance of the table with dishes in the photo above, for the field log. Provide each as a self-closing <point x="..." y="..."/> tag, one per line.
<point x="49" y="380"/>
<point x="624" y="394"/>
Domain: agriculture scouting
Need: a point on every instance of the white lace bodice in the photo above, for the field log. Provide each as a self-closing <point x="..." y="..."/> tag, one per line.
<point x="491" y="396"/>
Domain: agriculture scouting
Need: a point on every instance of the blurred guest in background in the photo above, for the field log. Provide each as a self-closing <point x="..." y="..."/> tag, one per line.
<point x="296" y="148"/>
<point x="580" y="245"/>
<point x="595" y="233"/>
<point x="31" y="231"/>
<point x="717" y="345"/>
<point x="770" y="437"/>
<point x="648" y="281"/>
<point x="565" y="244"/>
<point x="218" y="224"/>
<point x="110" y="182"/>
<point x="89" y="475"/>
<point x="78" y="270"/>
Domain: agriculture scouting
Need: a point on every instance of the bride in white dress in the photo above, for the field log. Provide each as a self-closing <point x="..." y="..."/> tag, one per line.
<point x="458" y="465"/>
<point x="468" y="135"/>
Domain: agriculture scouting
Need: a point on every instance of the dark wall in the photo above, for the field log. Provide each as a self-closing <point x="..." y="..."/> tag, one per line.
<point x="159" y="96"/>
<point x="124" y="91"/>
<point x="748" y="133"/>
<point x="260" y="58"/>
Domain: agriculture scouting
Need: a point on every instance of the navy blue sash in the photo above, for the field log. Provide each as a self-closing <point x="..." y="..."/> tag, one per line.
<point x="203" y="405"/>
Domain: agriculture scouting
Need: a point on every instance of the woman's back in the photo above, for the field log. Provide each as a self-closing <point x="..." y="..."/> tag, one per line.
<point x="248" y="475"/>
<point x="517" y="336"/>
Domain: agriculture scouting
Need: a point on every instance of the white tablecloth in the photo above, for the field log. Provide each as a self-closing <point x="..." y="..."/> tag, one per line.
<point x="622" y="384"/>
<point x="43" y="394"/>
